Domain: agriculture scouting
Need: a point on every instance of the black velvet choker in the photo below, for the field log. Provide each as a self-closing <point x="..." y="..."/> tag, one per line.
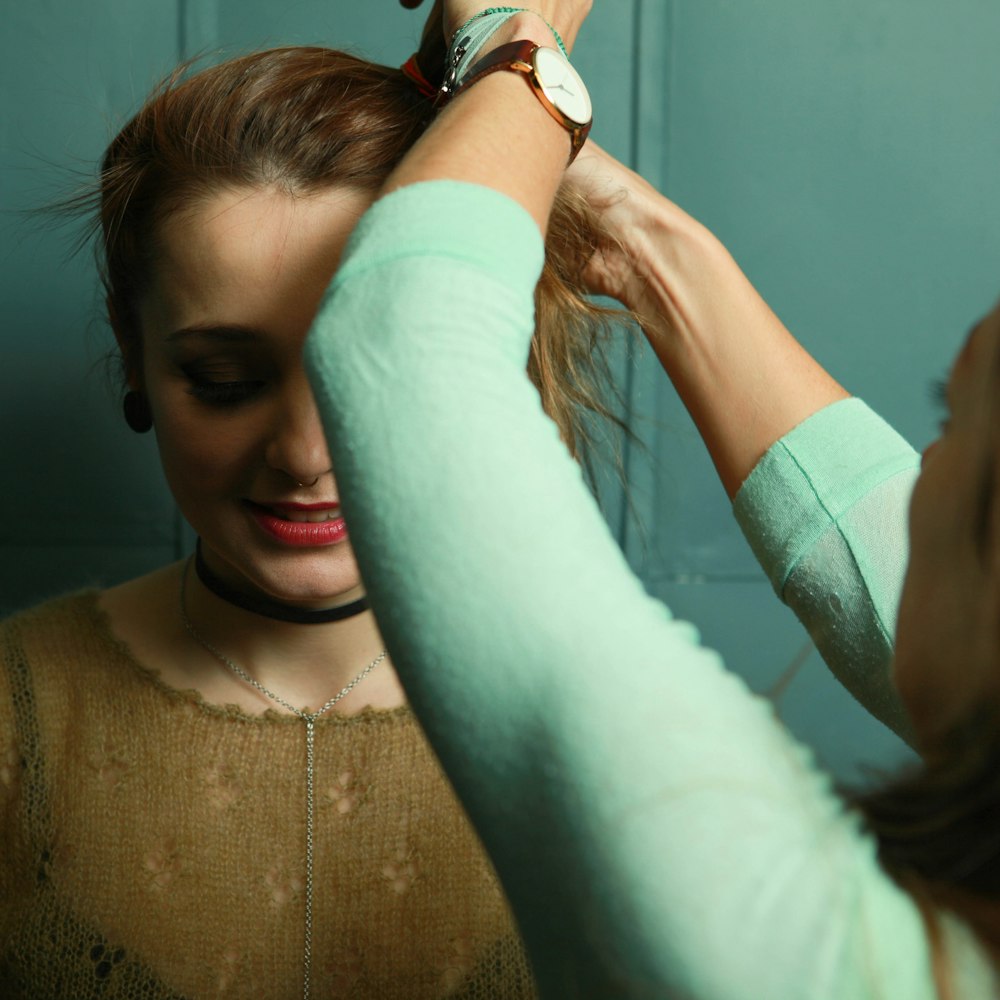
<point x="269" y="608"/>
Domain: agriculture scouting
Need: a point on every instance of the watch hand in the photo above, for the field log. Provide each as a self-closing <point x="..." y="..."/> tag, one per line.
<point x="560" y="86"/>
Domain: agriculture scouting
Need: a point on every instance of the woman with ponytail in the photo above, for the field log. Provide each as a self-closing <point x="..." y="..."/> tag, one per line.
<point x="211" y="782"/>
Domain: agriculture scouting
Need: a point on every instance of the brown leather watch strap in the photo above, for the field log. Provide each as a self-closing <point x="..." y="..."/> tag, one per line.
<point x="513" y="55"/>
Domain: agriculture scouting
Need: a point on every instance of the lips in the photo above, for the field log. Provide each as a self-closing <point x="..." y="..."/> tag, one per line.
<point x="300" y="525"/>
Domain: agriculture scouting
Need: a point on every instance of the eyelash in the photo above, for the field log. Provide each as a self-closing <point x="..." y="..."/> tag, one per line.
<point x="222" y="393"/>
<point x="937" y="390"/>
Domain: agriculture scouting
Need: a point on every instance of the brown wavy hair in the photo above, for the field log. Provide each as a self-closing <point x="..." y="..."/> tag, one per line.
<point x="303" y="119"/>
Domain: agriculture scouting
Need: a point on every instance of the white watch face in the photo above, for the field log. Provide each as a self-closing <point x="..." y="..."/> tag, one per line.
<point x="562" y="85"/>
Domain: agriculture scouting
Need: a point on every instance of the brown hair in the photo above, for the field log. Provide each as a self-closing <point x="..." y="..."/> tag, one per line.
<point x="938" y="831"/>
<point x="303" y="119"/>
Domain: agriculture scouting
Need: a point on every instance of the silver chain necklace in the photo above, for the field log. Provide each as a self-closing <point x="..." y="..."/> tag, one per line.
<point x="309" y="718"/>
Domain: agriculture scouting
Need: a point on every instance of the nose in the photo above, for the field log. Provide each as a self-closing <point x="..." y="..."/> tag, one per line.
<point x="927" y="452"/>
<point x="297" y="445"/>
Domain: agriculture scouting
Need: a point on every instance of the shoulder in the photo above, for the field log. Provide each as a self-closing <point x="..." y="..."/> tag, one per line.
<point x="37" y="649"/>
<point x="76" y="634"/>
<point x="56" y="632"/>
<point x="972" y="970"/>
<point x="65" y="614"/>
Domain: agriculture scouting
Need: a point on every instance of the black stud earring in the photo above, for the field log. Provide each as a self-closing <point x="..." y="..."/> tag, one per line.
<point x="135" y="406"/>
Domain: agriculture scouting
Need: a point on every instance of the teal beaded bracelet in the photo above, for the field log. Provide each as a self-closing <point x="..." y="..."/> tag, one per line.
<point x="472" y="36"/>
<point x="511" y="10"/>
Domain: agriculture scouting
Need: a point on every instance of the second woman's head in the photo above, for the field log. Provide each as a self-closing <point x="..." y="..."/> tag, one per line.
<point x="948" y="651"/>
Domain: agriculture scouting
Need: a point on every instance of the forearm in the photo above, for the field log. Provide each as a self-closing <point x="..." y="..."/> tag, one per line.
<point x="823" y="502"/>
<point x="742" y="376"/>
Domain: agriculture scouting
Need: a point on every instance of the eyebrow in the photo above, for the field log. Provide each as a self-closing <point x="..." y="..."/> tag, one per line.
<point x="225" y="332"/>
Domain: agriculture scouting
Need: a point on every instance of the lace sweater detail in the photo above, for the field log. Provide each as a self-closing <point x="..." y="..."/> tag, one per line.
<point x="152" y="845"/>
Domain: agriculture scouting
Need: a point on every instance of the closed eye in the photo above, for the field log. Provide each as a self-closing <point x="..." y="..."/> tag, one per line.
<point x="937" y="390"/>
<point x="224" y="393"/>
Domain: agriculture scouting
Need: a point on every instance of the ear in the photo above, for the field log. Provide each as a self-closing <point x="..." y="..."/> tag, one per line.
<point x="128" y="345"/>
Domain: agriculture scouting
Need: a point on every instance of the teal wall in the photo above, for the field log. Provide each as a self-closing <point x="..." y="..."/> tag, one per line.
<point x="846" y="152"/>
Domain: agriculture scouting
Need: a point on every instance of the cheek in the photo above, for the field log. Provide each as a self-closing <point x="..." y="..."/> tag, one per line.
<point x="204" y="453"/>
<point x="933" y="514"/>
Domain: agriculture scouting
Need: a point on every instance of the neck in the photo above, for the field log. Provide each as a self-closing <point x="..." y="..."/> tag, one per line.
<point x="269" y="607"/>
<point x="306" y="664"/>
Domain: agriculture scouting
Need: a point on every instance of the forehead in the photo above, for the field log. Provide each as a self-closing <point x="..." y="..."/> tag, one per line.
<point x="979" y="358"/>
<point x="246" y="256"/>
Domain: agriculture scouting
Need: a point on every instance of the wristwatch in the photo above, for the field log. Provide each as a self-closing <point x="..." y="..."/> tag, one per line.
<point x="552" y="79"/>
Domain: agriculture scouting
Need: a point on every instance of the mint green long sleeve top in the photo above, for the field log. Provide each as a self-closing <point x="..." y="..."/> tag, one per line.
<point x="658" y="832"/>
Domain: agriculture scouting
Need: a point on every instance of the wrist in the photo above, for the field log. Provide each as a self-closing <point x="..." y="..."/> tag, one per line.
<point x="525" y="24"/>
<point x="690" y="282"/>
<point x="506" y="40"/>
<point x="513" y="22"/>
<point x="476" y="40"/>
<point x="669" y="255"/>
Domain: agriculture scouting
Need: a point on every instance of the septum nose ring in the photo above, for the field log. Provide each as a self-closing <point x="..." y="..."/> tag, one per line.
<point x="313" y="482"/>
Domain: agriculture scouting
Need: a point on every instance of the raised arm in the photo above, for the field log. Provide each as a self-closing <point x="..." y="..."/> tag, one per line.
<point x="743" y="377"/>
<point x="834" y="546"/>
<point x="657" y="831"/>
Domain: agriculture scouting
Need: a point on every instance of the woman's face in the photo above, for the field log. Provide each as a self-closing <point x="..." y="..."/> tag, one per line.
<point x="240" y="275"/>
<point x="948" y="643"/>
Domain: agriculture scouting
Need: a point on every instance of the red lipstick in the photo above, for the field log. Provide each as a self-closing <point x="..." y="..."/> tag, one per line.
<point x="300" y="525"/>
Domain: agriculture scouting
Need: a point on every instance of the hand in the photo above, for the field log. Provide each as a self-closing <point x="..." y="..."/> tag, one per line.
<point x="741" y="375"/>
<point x="628" y="210"/>
<point x="447" y="16"/>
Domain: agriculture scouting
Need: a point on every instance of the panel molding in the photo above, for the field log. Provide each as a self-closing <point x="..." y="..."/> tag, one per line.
<point x="653" y="44"/>
<point x="197" y="28"/>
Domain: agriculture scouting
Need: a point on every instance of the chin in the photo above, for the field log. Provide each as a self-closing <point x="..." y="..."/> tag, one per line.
<point x="321" y="589"/>
<point x="316" y="576"/>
